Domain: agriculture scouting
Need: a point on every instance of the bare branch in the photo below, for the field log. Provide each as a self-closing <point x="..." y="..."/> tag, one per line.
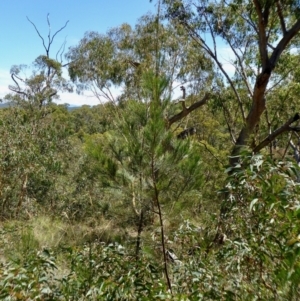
<point x="242" y="72"/>
<point x="50" y="39"/>
<point x="296" y="154"/>
<point x="13" y="78"/>
<point x="187" y="111"/>
<point x="66" y="64"/>
<point x="107" y="95"/>
<point x="37" y="31"/>
<point x="61" y="50"/>
<point x="212" y="35"/>
<point x="250" y="22"/>
<point x="227" y="113"/>
<point x="58" y="31"/>
<point x="197" y="38"/>
<point x="49" y="32"/>
<point x="284" y="128"/>
<point x="17" y="91"/>
<point x="48" y="81"/>
<point x="284" y="76"/>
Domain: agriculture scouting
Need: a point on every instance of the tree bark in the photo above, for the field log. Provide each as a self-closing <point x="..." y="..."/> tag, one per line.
<point x="253" y="118"/>
<point x="268" y="65"/>
<point x="186" y="111"/>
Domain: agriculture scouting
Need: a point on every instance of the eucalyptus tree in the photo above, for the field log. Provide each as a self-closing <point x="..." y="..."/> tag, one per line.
<point x="261" y="36"/>
<point x="113" y="63"/>
<point x="33" y="140"/>
<point x="46" y="79"/>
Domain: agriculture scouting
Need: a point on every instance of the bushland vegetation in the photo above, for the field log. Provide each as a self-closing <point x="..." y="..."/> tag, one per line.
<point x="184" y="186"/>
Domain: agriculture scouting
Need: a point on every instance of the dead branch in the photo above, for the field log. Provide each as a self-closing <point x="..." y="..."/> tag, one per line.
<point x="61" y="51"/>
<point x="47" y="48"/>
<point x="188" y="110"/>
<point x="18" y="90"/>
<point x="37" y="31"/>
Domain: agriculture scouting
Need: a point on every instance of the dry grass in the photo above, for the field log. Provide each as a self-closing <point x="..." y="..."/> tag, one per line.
<point x="46" y="232"/>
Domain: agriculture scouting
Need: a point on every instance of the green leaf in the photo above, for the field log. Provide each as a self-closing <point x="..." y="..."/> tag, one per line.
<point x="254" y="201"/>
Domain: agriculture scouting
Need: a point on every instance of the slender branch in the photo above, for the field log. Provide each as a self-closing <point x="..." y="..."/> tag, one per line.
<point x="243" y="73"/>
<point x="61" y="50"/>
<point x="50" y="39"/>
<point x="174" y="65"/>
<point x="295" y="149"/>
<point x="250" y="22"/>
<point x="139" y="233"/>
<point x="58" y="31"/>
<point x="49" y="32"/>
<point x="280" y="15"/>
<point x="13" y="78"/>
<point x="280" y="80"/>
<point x="37" y="31"/>
<point x="226" y="112"/>
<point x="18" y="90"/>
<point x="197" y="38"/>
<point x="284" y="128"/>
<point x="212" y="35"/>
<point x="188" y="110"/>
<point x="287" y="146"/>
<point x="109" y="91"/>
<point x="215" y="157"/>
<point x="107" y="95"/>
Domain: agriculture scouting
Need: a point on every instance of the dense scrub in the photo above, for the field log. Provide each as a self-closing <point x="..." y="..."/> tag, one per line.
<point x="147" y="197"/>
<point x="83" y="244"/>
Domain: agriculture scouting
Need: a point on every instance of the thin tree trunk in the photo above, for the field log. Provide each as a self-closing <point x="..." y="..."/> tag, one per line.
<point x="162" y="233"/>
<point x="139" y="233"/>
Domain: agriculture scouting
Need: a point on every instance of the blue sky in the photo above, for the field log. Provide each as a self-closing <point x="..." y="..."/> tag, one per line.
<point x="21" y="45"/>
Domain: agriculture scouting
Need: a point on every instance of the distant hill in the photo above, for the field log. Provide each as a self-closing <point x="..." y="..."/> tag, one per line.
<point x="71" y="108"/>
<point x="8" y="104"/>
<point x="4" y="105"/>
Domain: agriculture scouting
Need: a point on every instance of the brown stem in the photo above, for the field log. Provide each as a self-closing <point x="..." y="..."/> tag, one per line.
<point x="162" y="234"/>
<point x="138" y="239"/>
